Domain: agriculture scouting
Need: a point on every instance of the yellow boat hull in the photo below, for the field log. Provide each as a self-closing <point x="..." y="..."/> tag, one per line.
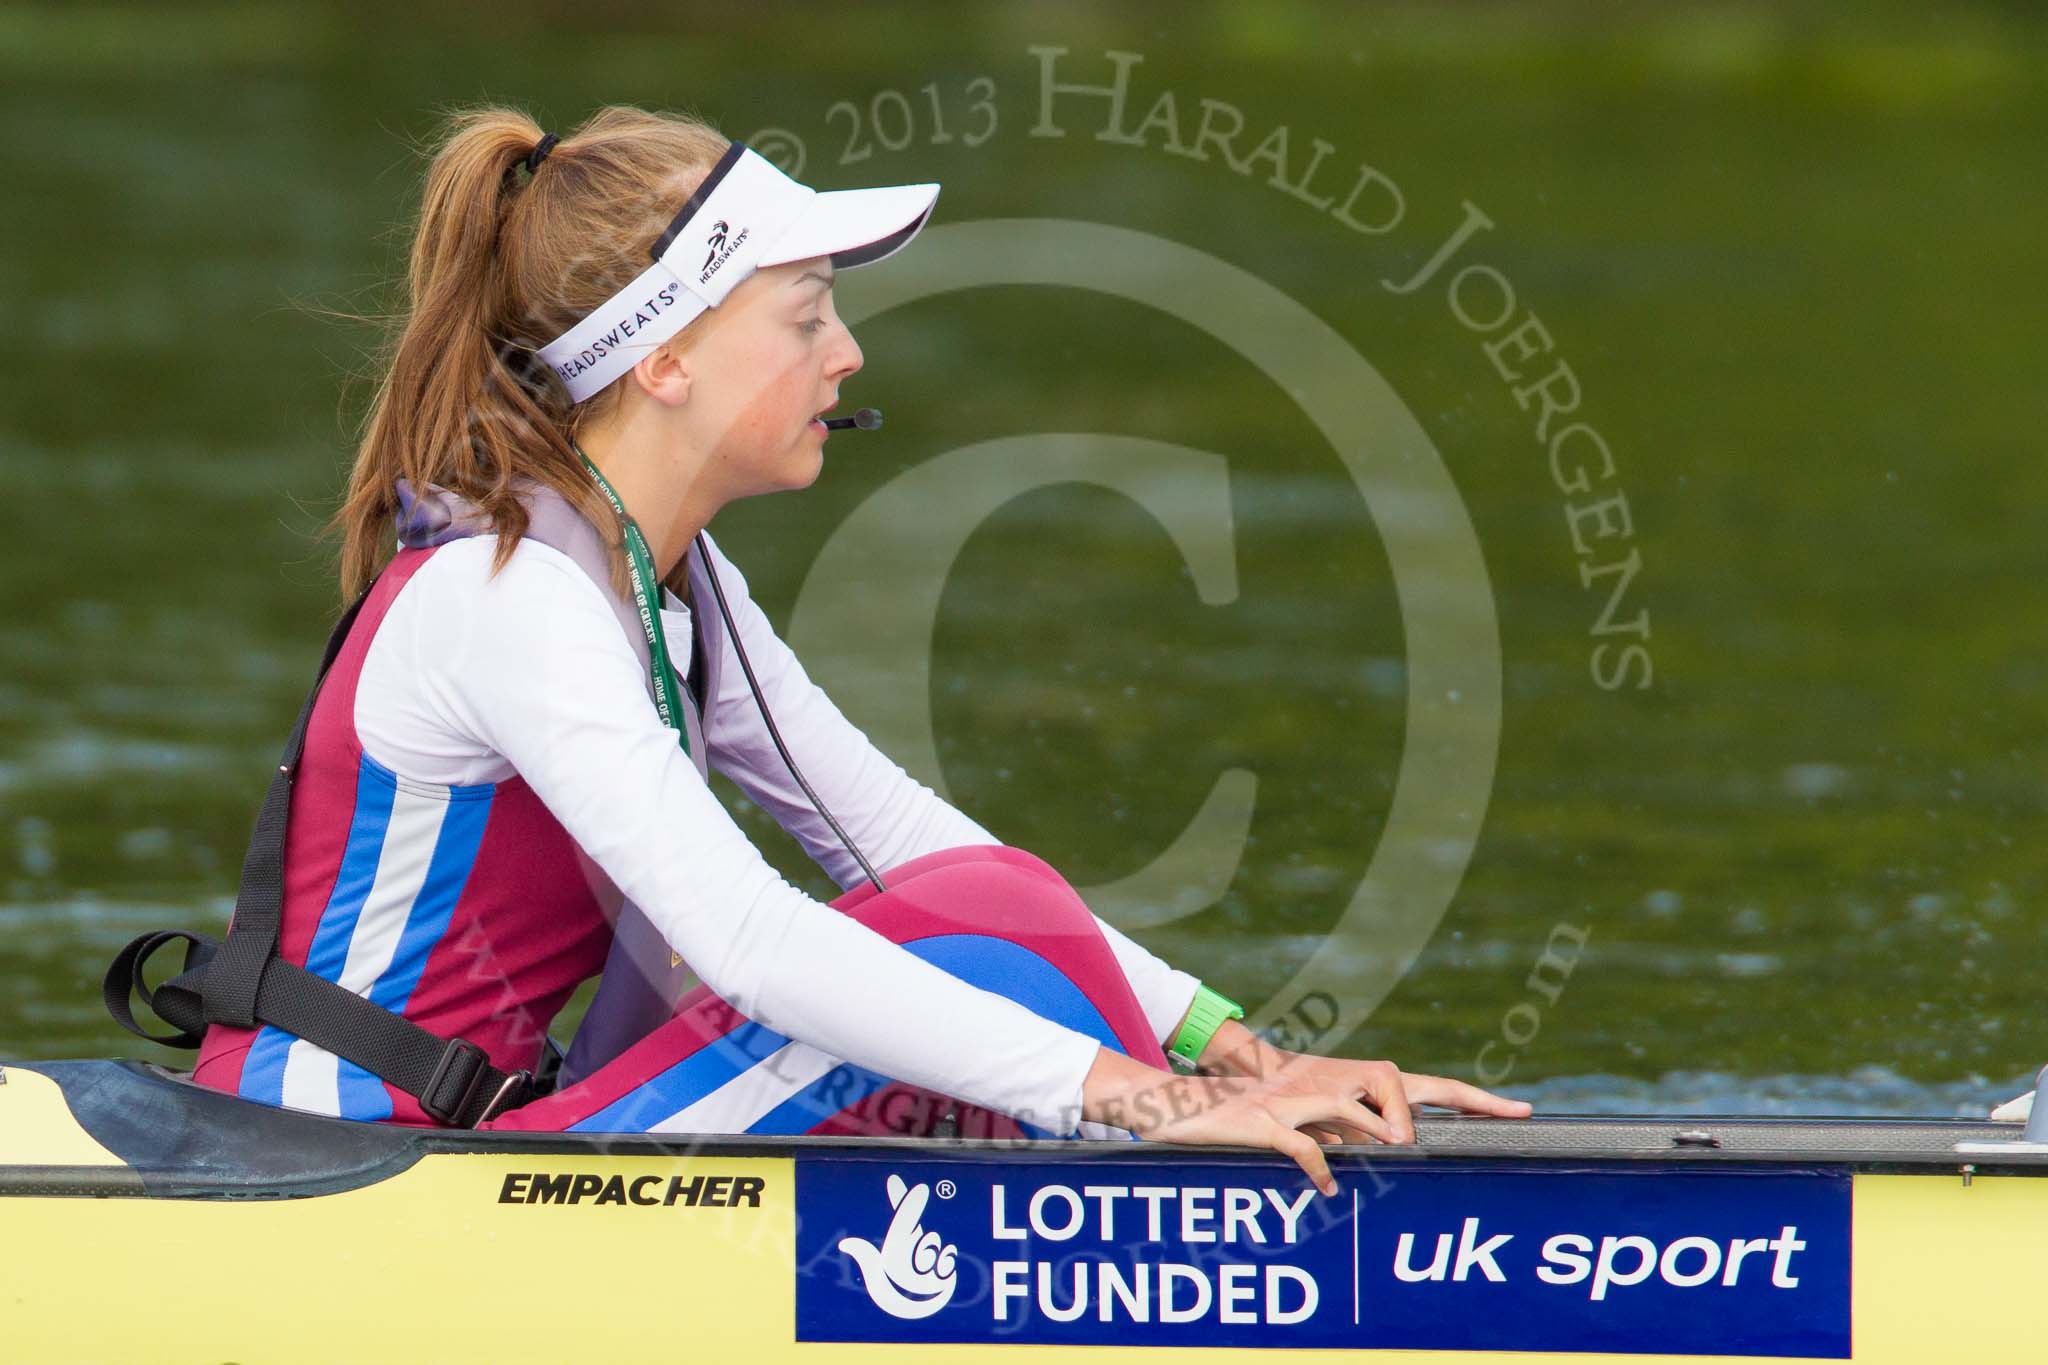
<point x="455" y="1253"/>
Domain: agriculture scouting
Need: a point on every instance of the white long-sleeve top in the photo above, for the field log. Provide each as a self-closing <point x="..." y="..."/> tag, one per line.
<point x="472" y="678"/>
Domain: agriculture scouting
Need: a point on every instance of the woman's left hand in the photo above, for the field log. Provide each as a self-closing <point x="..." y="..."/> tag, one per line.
<point x="1237" y="1051"/>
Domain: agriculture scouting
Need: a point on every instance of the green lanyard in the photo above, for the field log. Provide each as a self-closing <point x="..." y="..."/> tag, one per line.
<point x="668" y="698"/>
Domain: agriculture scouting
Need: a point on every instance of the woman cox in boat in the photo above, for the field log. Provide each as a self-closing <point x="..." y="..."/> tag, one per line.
<point x="635" y="322"/>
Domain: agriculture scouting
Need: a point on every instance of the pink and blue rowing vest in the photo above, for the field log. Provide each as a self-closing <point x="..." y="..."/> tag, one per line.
<point x="467" y="909"/>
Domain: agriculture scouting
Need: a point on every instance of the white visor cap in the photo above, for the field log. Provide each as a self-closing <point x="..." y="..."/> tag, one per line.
<point x="746" y="216"/>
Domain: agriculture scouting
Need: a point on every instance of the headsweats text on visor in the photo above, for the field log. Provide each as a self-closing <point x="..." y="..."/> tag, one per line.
<point x="745" y="216"/>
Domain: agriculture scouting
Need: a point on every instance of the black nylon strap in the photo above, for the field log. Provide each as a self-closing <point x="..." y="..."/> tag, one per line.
<point x="237" y="970"/>
<point x="452" y="1078"/>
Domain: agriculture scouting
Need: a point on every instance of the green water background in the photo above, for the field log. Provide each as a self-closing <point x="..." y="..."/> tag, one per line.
<point x="1792" y="254"/>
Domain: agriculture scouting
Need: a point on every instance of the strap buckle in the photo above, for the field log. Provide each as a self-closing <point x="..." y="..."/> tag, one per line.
<point x="459" y="1052"/>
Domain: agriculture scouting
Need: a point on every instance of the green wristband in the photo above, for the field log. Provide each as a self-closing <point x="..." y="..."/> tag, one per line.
<point x="1205" y="1016"/>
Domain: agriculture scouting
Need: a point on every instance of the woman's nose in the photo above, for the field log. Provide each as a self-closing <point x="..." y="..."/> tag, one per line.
<point x="850" y="359"/>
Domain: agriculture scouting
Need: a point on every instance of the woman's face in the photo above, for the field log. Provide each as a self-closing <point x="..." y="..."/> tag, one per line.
<point x="769" y="363"/>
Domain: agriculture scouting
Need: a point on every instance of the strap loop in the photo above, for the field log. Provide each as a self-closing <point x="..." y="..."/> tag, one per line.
<point x="175" y="1002"/>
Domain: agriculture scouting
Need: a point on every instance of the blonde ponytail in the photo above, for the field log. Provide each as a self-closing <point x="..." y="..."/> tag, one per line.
<point x="502" y="263"/>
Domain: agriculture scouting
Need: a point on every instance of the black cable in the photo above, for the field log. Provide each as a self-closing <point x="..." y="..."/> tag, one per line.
<point x="733" y="633"/>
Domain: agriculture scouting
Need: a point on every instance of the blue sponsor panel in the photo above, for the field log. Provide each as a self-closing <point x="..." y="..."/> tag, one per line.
<point x="1707" y="1260"/>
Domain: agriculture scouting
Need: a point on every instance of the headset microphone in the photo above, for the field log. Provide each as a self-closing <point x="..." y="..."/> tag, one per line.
<point x="867" y="419"/>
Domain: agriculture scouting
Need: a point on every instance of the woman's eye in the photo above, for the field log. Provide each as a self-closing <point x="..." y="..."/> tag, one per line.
<point x="814" y="325"/>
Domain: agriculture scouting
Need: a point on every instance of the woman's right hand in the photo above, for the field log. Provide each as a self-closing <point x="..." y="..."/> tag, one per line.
<point x="1268" y="1111"/>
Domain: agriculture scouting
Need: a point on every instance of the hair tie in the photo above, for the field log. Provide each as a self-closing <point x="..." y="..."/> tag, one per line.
<point x="540" y="152"/>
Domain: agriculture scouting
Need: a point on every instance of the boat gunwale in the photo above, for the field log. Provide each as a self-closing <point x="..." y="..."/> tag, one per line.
<point x="188" y="1152"/>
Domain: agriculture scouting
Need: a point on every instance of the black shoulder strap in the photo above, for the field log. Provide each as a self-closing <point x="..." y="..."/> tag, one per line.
<point x="243" y="982"/>
<point x="237" y="972"/>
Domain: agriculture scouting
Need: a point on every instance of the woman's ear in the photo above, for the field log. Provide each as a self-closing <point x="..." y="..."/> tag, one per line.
<point x="664" y="375"/>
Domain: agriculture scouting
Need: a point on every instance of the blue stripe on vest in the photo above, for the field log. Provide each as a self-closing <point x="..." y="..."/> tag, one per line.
<point x="689" y="1080"/>
<point x="994" y="964"/>
<point x="461" y="832"/>
<point x="457" y="838"/>
<point x="263" y="1068"/>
